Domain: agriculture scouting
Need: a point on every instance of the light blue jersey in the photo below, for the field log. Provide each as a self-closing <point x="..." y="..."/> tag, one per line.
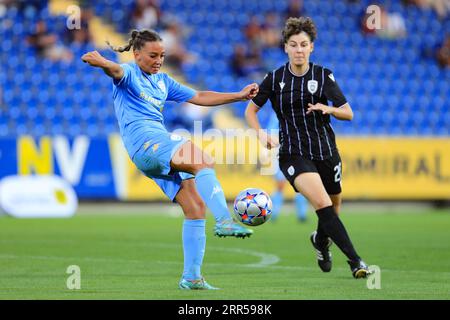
<point x="139" y="99"/>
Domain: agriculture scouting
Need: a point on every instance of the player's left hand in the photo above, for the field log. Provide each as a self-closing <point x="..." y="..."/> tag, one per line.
<point x="250" y="91"/>
<point x="319" y="107"/>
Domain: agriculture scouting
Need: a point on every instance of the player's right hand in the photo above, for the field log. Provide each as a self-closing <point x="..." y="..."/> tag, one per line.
<point x="94" y="58"/>
<point x="267" y="140"/>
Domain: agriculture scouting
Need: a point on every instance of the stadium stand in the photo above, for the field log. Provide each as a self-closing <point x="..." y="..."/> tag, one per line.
<point x="394" y="87"/>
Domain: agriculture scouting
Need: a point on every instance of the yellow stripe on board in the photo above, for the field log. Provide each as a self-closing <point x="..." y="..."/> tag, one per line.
<point x="392" y="168"/>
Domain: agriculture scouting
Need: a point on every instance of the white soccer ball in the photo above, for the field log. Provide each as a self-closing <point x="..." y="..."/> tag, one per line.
<point x="253" y="207"/>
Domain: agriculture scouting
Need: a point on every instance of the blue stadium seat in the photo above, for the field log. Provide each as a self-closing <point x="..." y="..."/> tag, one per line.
<point x="375" y="74"/>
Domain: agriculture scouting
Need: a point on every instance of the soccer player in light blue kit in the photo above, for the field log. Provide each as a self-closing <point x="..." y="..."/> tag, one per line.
<point x="301" y="204"/>
<point x="183" y="172"/>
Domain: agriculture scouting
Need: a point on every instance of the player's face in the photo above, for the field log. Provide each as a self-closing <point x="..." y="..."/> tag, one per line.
<point x="150" y="57"/>
<point x="299" y="48"/>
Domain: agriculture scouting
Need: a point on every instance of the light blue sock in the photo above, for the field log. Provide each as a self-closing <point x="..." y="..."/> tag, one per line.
<point x="212" y="194"/>
<point x="301" y="205"/>
<point x="194" y="242"/>
<point x="277" y="202"/>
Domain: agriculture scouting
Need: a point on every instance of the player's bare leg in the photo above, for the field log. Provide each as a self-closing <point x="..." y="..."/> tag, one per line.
<point x="190" y="158"/>
<point x="336" y="199"/>
<point x="188" y="198"/>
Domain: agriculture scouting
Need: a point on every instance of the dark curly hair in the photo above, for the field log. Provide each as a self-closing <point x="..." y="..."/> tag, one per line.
<point x="295" y="26"/>
<point x="137" y="40"/>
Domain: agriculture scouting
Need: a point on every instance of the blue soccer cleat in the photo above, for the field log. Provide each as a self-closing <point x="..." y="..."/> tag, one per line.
<point x="230" y="228"/>
<point x="199" y="284"/>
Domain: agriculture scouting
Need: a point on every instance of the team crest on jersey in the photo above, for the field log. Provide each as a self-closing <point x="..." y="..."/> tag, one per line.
<point x="175" y="137"/>
<point x="162" y="86"/>
<point x="312" y="86"/>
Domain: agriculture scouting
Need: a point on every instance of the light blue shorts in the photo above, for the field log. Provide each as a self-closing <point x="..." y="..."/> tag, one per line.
<point x="153" y="160"/>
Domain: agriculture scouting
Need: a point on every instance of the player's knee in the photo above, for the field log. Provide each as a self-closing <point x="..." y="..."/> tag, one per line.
<point x="201" y="208"/>
<point x="196" y="210"/>
<point x="208" y="162"/>
<point x="321" y="203"/>
<point x="204" y="165"/>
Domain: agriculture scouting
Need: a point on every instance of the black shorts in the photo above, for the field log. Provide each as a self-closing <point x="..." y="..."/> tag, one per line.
<point x="329" y="170"/>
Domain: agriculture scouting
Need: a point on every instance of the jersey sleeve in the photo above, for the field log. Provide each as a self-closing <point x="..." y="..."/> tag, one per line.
<point x="332" y="91"/>
<point x="178" y="92"/>
<point x="126" y="76"/>
<point x="265" y="90"/>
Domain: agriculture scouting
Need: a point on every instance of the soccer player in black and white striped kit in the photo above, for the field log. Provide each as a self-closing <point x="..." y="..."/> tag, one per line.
<point x="299" y="92"/>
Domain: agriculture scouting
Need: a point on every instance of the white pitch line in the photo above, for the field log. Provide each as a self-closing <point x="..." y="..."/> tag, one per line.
<point x="267" y="259"/>
<point x="95" y="259"/>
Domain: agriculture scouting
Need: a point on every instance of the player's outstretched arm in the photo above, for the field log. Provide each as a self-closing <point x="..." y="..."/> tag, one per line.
<point x="111" y="68"/>
<point x="344" y="112"/>
<point x="253" y="122"/>
<point x="212" y="98"/>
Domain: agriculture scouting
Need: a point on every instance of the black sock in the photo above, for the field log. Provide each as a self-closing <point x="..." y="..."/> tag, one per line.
<point x="321" y="236"/>
<point x="333" y="227"/>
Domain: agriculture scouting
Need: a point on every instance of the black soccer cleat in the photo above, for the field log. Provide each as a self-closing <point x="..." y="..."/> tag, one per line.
<point x="323" y="253"/>
<point x="359" y="269"/>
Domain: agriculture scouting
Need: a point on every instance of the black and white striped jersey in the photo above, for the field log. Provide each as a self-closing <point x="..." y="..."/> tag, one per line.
<point x="309" y="135"/>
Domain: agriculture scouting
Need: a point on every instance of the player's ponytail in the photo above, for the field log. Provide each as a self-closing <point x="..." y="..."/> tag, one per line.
<point x="137" y="40"/>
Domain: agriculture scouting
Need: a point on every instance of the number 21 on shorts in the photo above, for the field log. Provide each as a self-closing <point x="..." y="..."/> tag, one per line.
<point x="338" y="170"/>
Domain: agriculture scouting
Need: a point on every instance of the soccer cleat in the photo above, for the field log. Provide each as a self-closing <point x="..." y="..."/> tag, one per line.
<point x="230" y="228"/>
<point x="359" y="269"/>
<point x="199" y="284"/>
<point x="323" y="253"/>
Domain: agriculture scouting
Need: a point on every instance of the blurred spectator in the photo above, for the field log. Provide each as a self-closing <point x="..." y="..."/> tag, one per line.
<point x="146" y="14"/>
<point x="442" y="7"/>
<point x="295" y="9"/>
<point x="4" y="5"/>
<point x="252" y="32"/>
<point x="46" y="44"/>
<point x="443" y="53"/>
<point x="246" y="62"/>
<point x="392" y="25"/>
<point x="80" y="37"/>
<point x="83" y="36"/>
<point x="270" y="30"/>
<point x="176" y="53"/>
<point x="366" y="22"/>
<point x="237" y="62"/>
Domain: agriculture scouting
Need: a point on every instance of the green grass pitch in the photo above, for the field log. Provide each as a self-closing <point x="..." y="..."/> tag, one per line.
<point x="133" y="256"/>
